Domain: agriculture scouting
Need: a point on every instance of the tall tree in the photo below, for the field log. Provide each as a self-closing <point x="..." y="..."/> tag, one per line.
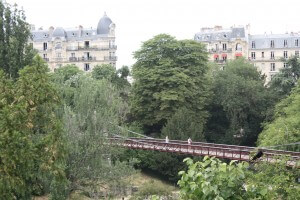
<point x="239" y="104"/>
<point x="31" y="143"/>
<point x="92" y="109"/>
<point x="15" y="52"/>
<point x="169" y="74"/>
<point x="285" y="128"/>
<point x="283" y="82"/>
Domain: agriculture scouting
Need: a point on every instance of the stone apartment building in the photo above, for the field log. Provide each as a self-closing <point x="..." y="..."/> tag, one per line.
<point x="84" y="47"/>
<point x="267" y="52"/>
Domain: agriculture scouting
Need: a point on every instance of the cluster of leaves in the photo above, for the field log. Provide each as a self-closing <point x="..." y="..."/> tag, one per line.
<point x="239" y="106"/>
<point x="287" y="78"/>
<point x="213" y="179"/>
<point x="153" y="190"/>
<point x="15" y="52"/>
<point x="285" y="128"/>
<point x="91" y="109"/>
<point x="169" y="74"/>
<point x="31" y="141"/>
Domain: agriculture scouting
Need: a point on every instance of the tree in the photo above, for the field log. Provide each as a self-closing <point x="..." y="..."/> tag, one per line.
<point x="239" y="105"/>
<point x="15" y="52"/>
<point x="285" y="128"/>
<point x="89" y="118"/>
<point x="212" y="179"/>
<point x="31" y="143"/>
<point x="169" y="74"/>
<point x="184" y="124"/>
<point x="117" y="77"/>
<point x="283" y="82"/>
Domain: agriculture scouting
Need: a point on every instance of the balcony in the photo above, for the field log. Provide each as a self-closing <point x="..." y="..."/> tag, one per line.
<point x="229" y="50"/>
<point x="113" y="46"/>
<point x="81" y="59"/>
<point x="110" y="58"/>
<point x="80" y="48"/>
<point x="58" y="59"/>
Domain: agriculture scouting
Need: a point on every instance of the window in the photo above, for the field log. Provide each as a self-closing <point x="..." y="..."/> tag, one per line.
<point x="297" y="53"/>
<point x="253" y="45"/>
<point x="224" y="47"/>
<point x="272" y="76"/>
<point x="73" y="55"/>
<point x="262" y="54"/>
<point x="272" y="44"/>
<point x="285" y="65"/>
<point x="58" y="45"/>
<point x="44" y="55"/>
<point x="224" y="58"/>
<point x="86" y="67"/>
<point x="253" y="55"/>
<point x="285" y="54"/>
<point x="272" y="67"/>
<point x="285" y="43"/>
<point x="238" y="47"/>
<point x="217" y="47"/>
<point x="272" y="55"/>
<point x="87" y="34"/>
<point x="296" y="42"/>
<point x="86" y="44"/>
<point x="45" y="35"/>
<point x="58" y="55"/>
<point x="73" y="34"/>
<point x="45" y="46"/>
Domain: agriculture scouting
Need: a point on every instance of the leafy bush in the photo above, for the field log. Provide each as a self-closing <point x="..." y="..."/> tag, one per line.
<point x="153" y="188"/>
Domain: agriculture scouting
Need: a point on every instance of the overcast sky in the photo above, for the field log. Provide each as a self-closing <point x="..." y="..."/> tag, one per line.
<point x="139" y="20"/>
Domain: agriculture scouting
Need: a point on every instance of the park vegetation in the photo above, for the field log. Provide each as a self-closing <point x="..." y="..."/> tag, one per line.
<point x="54" y="126"/>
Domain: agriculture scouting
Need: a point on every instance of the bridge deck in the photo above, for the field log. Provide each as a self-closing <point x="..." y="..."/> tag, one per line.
<point x="232" y="152"/>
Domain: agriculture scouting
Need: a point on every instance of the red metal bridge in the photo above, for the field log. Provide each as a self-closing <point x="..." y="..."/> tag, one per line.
<point x="232" y="152"/>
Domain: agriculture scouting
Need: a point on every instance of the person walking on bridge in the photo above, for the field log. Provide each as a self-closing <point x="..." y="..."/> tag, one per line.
<point x="167" y="139"/>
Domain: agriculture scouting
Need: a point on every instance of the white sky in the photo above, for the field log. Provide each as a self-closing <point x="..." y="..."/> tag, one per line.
<point x="140" y="20"/>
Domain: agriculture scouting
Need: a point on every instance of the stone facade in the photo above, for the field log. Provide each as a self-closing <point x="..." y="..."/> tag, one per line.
<point x="268" y="53"/>
<point x="83" y="47"/>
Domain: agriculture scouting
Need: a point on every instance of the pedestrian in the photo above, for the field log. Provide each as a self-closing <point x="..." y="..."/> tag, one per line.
<point x="189" y="141"/>
<point x="167" y="139"/>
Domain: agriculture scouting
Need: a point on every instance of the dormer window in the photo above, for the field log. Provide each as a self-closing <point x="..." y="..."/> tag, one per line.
<point x="272" y="44"/>
<point x="45" y="35"/>
<point x="87" y="34"/>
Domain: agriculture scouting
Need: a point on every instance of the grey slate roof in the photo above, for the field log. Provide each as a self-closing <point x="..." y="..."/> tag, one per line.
<point x="75" y="34"/>
<point x="264" y="41"/>
<point x="224" y="34"/>
<point x="103" y="25"/>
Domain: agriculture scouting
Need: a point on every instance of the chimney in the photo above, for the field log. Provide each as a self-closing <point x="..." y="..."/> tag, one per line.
<point x="80" y="30"/>
<point x="51" y="29"/>
<point x="32" y="27"/>
<point x="217" y="28"/>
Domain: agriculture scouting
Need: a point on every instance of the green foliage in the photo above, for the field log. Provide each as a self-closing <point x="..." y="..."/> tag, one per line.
<point x="240" y="103"/>
<point x="104" y="71"/>
<point x="273" y="181"/>
<point x="15" y="52"/>
<point x="154" y="190"/>
<point x="283" y="82"/>
<point x="89" y="117"/>
<point x="285" y="128"/>
<point x="169" y="74"/>
<point x="31" y="142"/>
<point x="158" y="162"/>
<point x="184" y="124"/>
<point x="212" y="179"/>
<point x="66" y="72"/>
